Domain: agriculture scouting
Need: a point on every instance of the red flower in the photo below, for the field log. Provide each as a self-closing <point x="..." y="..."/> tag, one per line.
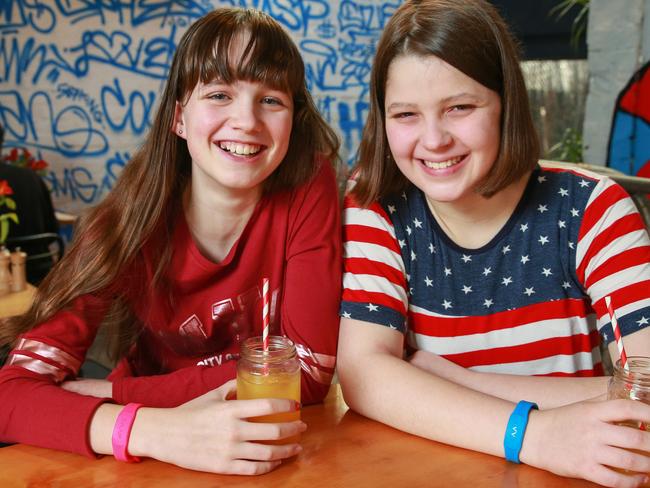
<point x="37" y="165"/>
<point x="13" y="155"/>
<point x="5" y="189"/>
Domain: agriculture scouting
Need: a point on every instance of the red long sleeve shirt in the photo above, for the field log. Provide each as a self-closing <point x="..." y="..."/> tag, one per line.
<point x="191" y="347"/>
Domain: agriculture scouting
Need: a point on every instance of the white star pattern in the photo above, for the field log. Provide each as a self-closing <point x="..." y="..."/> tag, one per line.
<point x="466" y="258"/>
<point x="401" y="243"/>
<point x="566" y="285"/>
<point x="446" y="304"/>
<point x="413" y="256"/>
<point x="432" y="248"/>
<point x="542" y="208"/>
<point x="525" y="259"/>
<point x="561" y="224"/>
<point x="447" y="271"/>
<point x="541" y="179"/>
<point x="392" y="326"/>
<point x="523" y="227"/>
<point x="564" y="192"/>
<point x="543" y="240"/>
<point x="642" y="321"/>
<point x="392" y="209"/>
<point x="575" y="212"/>
<point x="346" y="315"/>
<point x="487" y="271"/>
<point x="546" y="272"/>
<point x="372" y="308"/>
<point x="584" y="183"/>
<point x="505" y="250"/>
<point x="467" y="289"/>
<point x="417" y="223"/>
<point x="428" y="281"/>
<point x="408" y="230"/>
<point x="488" y="302"/>
<point x="404" y="195"/>
<point x="570" y="245"/>
<point x="529" y="291"/>
<point x="506" y="281"/>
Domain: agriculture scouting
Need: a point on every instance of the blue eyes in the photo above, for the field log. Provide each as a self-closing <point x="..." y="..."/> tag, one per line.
<point x="271" y="101"/>
<point x="265" y="100"/>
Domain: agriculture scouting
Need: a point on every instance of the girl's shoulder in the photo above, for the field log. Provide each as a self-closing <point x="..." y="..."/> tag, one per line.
<point x="558" y="173"/>
<point x="562" y="185"/>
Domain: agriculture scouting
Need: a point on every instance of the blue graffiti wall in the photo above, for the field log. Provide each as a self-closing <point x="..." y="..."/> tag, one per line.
<point x="79" y="79"/>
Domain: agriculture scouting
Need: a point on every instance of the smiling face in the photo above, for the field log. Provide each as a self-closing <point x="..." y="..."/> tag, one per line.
<point x="237" y="133"/>
<point x="443" y="127"/>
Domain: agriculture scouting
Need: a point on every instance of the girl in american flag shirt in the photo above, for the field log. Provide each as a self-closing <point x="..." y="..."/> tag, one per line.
<point x="488" y="268"/>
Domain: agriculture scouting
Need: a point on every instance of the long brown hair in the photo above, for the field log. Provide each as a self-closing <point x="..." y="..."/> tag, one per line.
<point x="471" y="36"/>
<point x="148" y="195"/>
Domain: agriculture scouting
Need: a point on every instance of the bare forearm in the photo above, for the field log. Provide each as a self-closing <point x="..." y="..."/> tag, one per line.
<point x="396" y="393"/>
<point x="547" y="392"/>
<point x="101" y="428"/>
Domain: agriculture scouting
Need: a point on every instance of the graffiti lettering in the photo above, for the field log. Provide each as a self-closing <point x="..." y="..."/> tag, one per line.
<point x="68" y="131"/>
<point x="135" y="111"/>
<point x="80" y="80"/>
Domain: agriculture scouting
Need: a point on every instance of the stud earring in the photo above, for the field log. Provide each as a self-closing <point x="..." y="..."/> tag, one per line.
<point x="180" y="131"/>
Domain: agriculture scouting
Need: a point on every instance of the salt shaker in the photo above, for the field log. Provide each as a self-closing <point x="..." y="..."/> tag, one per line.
<point x="18" y="272"/>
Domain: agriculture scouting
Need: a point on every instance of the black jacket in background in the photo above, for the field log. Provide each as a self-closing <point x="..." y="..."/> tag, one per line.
<point x="33" y="207"/>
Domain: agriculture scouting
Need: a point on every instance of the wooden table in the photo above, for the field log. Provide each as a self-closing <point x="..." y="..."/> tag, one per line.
<point x="17" y="302"/>
<point x="341" y="449"/>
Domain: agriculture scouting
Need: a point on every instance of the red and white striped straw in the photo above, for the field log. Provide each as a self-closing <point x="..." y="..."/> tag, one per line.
<point x="265" y="314"/>
<point x="617" y="333"/>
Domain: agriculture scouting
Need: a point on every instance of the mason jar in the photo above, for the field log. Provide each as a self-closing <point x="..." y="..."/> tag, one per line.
<point x="274" y="373"/>
<point x="632" y="383"/>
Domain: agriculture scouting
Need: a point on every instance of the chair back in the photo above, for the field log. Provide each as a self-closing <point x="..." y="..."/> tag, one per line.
<point x="43" y="251"/>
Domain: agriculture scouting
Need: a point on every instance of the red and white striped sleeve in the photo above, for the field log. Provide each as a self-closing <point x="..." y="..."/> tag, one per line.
<point x="374" y="279"/>
<point x="613" y="256"/>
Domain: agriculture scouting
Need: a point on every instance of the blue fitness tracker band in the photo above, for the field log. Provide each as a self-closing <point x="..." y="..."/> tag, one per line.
<point x="516" y="429"/>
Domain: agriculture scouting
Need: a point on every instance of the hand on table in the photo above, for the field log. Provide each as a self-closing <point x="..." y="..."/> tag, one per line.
<point x="211" y="433"/>
<point x="581" y="440"/>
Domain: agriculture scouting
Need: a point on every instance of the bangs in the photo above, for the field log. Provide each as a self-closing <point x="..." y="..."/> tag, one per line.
<point x="252" y="48"/>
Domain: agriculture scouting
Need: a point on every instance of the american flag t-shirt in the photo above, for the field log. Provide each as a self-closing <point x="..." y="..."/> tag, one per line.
<point x="529" y="302"/>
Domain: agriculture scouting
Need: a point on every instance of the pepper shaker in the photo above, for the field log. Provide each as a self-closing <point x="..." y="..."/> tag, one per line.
<point x="5" y="272"/>
<point x="18" y="272"/>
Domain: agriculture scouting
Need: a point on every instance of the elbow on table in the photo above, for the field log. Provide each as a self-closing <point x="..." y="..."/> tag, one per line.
<point x="352" y="382"/>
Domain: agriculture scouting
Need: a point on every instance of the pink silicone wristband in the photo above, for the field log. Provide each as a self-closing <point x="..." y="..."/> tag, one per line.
<point x="122" y="432"/>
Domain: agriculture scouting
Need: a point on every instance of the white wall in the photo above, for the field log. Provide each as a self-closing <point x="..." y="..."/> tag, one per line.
<point x="618" y="39"/>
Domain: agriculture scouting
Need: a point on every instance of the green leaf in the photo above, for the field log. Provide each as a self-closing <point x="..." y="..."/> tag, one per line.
<point x="9" y="216"/>
<point x="10" y="203"/>
<point x="4" y="230"/>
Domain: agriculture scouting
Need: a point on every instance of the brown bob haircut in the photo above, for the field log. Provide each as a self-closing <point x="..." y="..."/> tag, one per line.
<point x="471" y="36"/>
<point x="142" y="207"/>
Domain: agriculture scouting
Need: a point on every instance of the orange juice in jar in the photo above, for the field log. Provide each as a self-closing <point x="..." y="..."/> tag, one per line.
<point x="633" y="384"/>
<point x="274" y="373"/>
